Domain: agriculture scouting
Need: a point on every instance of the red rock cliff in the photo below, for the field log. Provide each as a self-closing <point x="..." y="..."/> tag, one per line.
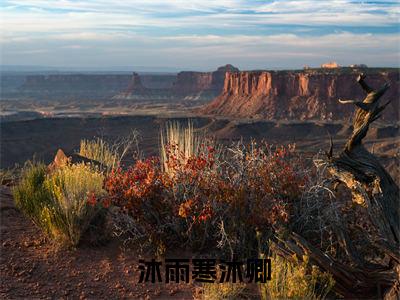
<point x="298" y="95"/>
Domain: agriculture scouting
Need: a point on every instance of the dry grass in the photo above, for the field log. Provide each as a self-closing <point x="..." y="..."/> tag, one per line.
<point x="296" y="280"/>
<point x="99" y="150"/>
<point x="178" y="141"/>
<point x="228" y="290"/>
<point x="111" y="154"/>
<point x="9" y="176"/>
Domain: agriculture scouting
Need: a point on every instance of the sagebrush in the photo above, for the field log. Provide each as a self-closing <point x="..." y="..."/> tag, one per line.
<point x="62" y="203"/>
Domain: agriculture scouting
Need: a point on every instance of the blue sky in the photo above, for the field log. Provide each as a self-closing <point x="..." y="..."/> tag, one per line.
<point x="199" y="34"/>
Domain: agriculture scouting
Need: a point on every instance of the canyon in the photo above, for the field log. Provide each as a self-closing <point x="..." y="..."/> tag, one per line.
<point x="278" y="106"/>
<point x="300" y="95"/>
<point x="186" y="85"/>
<point x="309" y="94"/>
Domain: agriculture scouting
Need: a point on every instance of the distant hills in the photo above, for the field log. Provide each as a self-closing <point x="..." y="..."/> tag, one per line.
<point x="108" y="70"/>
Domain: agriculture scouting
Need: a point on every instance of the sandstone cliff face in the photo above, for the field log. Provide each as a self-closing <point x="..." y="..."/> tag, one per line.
<point x="298" y="95"/>
<point x="218" y="77"/>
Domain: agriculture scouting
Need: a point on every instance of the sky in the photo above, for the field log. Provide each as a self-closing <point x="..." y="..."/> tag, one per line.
<point x="199" y="34"/>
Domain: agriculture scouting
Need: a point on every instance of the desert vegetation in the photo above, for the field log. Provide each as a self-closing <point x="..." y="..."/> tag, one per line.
<point x="297" y="279"/>
<point x="198" y="195"/>
<point x="98" y="150"/>
<point x="61" y="202"/>
<point x="317" y="219"/>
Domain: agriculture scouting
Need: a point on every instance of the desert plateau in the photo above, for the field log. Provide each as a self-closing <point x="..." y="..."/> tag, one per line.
<point x="207" y="150"/>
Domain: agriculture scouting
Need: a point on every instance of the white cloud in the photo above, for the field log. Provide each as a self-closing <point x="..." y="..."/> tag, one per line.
<point x="200" y="51"/>
<point x="72" y="16"/>
<point x="175" y="32"/>
<point x="78" y="47"/>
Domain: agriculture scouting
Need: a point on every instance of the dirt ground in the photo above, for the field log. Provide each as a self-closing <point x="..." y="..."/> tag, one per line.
<point x="31" y="267"/>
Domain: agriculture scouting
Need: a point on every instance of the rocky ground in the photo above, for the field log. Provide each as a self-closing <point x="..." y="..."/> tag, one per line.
<point x="30" y="267"/>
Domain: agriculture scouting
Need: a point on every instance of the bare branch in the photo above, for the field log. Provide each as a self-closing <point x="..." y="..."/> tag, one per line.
<point x="364" y="85"/>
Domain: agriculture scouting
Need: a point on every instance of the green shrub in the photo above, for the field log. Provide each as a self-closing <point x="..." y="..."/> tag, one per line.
<point x="30" y="195"/>
<point x="73" y="191"/>
<point x="62" y="203"/>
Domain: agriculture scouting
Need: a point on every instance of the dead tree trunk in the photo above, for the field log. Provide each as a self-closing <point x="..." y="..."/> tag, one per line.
<point x="370" y="184"/>
<point x="362" y="173"/>
<point x="373" y="188"/>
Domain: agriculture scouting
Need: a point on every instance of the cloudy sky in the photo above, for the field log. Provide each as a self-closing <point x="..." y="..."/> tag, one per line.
<point x="199" y="34"/>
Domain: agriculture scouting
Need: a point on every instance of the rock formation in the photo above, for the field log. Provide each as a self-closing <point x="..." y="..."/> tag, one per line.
<point x="135" y="86"/>
<point x="61" y="160"/>
<point x="302" y="95"/>
<point x="187" y="85"/>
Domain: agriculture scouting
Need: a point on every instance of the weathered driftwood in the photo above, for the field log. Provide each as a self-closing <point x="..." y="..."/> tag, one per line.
<point x="373" y="188"/>
<point x="361" y="171"/>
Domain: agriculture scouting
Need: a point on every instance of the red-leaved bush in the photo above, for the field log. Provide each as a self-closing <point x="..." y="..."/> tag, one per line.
<point x="216" y="197"/>
<point x="129" y="188"/>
